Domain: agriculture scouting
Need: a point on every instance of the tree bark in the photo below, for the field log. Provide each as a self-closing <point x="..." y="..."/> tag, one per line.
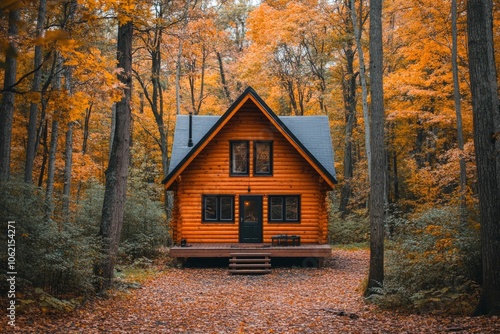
<point x="35" y="88"/>
<point x="49" y="205"/>
<point x="204" y="53"/>
<point x="86" y="126"/>
<point x="362" y="77"/>
<point x="377" y="195"/>
<point x="117" y="171"/>
<point x="156" y="103"/>
<point x="43" y="141"/>
<point x="68" y="164"/>
<point x="227" y="94"/>
<point x="458" y="112"/>
<point x="113" y="129"/>
<point x="178" y="67"/>
<point x="349" y="87"/>
<point x="8" y="98"/>
<point x="155" y="100"/>
<point x="486" y="118"/>
<point x="178" y="79"/>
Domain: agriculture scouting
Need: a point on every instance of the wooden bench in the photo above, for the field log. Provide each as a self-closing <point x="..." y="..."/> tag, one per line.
<point x="285" y="240"/>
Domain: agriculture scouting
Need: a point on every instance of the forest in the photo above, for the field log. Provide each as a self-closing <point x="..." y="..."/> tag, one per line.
<point x="63" y="82"/>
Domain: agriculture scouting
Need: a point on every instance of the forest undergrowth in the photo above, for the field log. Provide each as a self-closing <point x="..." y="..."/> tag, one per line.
<point x="289" y="300"/>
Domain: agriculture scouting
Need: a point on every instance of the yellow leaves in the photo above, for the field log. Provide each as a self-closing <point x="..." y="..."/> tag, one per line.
<point x="434" y="230"/>
<point x="58" y="39"/>
<point x="56" y="35"/>
<point x="68" y="45"/>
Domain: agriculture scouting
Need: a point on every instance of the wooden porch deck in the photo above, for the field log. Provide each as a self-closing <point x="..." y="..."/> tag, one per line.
<point x="225" y="249"/>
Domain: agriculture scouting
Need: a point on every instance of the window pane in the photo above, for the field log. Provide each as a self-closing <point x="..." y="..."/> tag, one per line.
<point x="292" y="208"/>
<point x="240" y="158"/>
<point x="276" y="208"/>
<point x="210" y="208"/>
<point x="263" y="158"/>
<point x="226" y="208"/>
<point x="251" y="211"/>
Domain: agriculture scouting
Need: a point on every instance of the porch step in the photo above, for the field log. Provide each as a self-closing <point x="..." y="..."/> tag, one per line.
<point x="250" y="263"/>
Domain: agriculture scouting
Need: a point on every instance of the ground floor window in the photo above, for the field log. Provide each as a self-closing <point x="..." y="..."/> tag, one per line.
<point x="218" y="208"/>
<point x="284" y="208"/>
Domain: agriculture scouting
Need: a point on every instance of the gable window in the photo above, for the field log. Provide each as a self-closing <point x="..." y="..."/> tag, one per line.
<point x="218" y="208"/>
<point x="263" y="158"/>
<point x="284" y="208"/>
<point x="239" y="156"/>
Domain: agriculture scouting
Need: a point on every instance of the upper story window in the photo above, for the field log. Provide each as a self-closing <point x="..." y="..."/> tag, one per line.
<point x="263" y="158"/>
<point x="239" y="156"/>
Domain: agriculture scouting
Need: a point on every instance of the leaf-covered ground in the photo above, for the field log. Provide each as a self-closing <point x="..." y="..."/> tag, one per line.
<point x="289" y="300"/>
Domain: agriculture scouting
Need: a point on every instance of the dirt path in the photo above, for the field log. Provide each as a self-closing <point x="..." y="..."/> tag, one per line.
<point x="289" y="300"/>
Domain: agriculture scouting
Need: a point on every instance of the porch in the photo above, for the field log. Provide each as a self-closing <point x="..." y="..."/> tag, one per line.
<point x="224" y="250"/>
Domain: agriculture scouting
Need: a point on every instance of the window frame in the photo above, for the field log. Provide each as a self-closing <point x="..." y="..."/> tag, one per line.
<point x="218" y="209"/>
<point x="231" y="156"/>
<point x="283" y="209"/>
<point x="255" y="172"/>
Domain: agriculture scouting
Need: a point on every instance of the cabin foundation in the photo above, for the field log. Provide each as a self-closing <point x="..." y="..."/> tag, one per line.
<point x="312" y="253"/>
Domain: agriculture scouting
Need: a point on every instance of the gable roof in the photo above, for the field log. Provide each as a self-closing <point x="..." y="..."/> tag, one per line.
<point x="310" y="135"/>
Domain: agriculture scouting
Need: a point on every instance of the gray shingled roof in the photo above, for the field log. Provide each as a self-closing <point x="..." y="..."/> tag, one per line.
<point x="180" y="149"/>
<point x="313" y="132"/>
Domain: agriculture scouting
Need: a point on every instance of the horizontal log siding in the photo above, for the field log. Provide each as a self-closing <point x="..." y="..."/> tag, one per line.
<point x="208" y="173"/>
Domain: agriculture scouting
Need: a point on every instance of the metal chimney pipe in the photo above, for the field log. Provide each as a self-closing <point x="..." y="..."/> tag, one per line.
<point x="190" y="139"/>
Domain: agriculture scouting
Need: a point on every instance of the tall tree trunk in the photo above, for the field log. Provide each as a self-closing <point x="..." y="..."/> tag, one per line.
<point x="349" y="87"/>
<point x="178" y="79"/>
<point x="35" y="88"/>
<point x="377" y="195"/>
<point x="395" y="181"/>
<point x="222" y="73"/>
<point x="362" y="76"/>
<point x="43" y="140"/>
<point x="68" y="164"/>
<point x="119" y="159"/>
<point x="7" y="104"/>
<point x="113" y="129"/>
<point x="458" y="112"/>
<point x="291" y="94"/>
<point x="486" y="117"/>
<point x="155" y="100"/>
<point x="178" y="66"/>
<point x="202" y="80"/>
<point x="49" y="204"/>
<point x="86" y="126"/>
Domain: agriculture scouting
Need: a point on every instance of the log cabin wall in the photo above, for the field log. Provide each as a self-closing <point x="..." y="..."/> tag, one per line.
<point x="209" y="174"/>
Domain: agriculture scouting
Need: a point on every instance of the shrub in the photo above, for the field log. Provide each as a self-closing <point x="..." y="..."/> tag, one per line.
<point x="59" y="256"/>
<point x="432" y="264"/>
<point x="354" y="228"/>
<point x="144" y="227"/>
<point x="52" y="255"/>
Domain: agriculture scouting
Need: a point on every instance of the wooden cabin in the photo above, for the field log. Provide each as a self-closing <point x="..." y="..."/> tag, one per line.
<point x="250" y="179"/>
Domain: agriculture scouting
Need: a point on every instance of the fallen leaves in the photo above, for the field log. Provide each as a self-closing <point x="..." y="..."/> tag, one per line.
<point x="289" y="300"/>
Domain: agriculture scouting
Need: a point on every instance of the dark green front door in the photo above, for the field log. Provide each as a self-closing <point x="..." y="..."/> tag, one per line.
<point x="250" y="219"/>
